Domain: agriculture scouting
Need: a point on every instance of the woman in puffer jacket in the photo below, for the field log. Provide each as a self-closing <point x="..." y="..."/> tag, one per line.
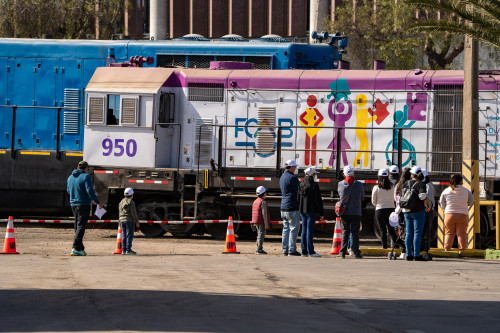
<point x="455" y="202"/>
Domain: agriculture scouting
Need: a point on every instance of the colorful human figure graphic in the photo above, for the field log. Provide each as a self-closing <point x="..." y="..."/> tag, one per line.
<point x="363" y="120"/>
<point x="400" y="118"/>
<point x="311" y="117"/>
<point x="339" y="119"/>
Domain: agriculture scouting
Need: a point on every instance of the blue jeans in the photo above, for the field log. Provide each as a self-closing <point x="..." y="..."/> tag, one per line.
<point x="291" y="225"/>
<point x="128" y="229"/>
<point x="306" y="239"/>
<point x="414" y="228"/>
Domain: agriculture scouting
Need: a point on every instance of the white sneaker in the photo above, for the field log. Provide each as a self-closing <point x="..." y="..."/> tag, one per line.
<point x="316" y="255"/>
<point x="402" y="256"/>
<point x="351" y="252"/>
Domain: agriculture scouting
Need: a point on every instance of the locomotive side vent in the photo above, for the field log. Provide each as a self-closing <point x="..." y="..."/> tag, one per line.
<point x="448" y="107"/>
<point x="203" y="140"/>
<point x="265" y="133"/>
<point x="71" y="124"/>
<point x="129" y="111"/>
<point x="206" y="92"/>
<point x="96" y="110"/>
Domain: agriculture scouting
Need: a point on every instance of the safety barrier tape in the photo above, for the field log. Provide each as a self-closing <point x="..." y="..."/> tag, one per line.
<point x="267" y="179"/>
<point x="146" y="221"/>
<point x="105" y="171"/>
<point x="147" y="181"/>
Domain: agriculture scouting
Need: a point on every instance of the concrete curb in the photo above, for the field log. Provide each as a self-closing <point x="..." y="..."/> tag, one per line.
<point x="438" y="253"/>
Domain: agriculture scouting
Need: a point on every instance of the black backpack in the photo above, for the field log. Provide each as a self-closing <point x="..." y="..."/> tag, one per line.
<point x="409" y="197"/>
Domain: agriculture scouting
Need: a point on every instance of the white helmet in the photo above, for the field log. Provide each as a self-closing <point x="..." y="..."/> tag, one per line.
<point x="260" y="190"/>
<point x="128" y="192"/>
<point x="383" y="173"/>
<point x="310" y="171"/>
<point x="394" y="169"/>
<point x="415" y="170"/>
<point x="349" y="170"/>
<point x="291" y="163"/>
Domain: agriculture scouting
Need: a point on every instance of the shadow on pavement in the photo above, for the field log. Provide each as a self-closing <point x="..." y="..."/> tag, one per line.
<point x="179" y="311"/>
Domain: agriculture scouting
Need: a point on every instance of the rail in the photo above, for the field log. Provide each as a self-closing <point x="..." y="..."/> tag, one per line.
<point x="224" y="146"/>
<point x="42" y="221"/>
<point x="495" y="203"/>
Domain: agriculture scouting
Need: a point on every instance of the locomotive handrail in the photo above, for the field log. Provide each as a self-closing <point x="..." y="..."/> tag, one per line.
<point x="280" y="149"/>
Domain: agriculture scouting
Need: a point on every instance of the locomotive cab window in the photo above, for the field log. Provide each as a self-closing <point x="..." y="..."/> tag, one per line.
<point x="166" y="114"/>
<point x="113" y="113"/>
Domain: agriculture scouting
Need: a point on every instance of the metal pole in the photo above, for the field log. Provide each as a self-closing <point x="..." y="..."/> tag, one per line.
<point x="13" y="139"/>
<point x="58" y="142"/>
<point x="278" y="153"/>
<point x="400" y="150"/>
<point x="470" y="145"/>
<point x="339" y="153"/>
<point x="219" y="154"/>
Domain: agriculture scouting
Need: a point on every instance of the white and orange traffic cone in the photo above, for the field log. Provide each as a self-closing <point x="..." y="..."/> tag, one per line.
<point x="119" y="248"/>
<point x="9" y="246"/>
<point x="230" y="239"/>
<point x="337" y="238"/>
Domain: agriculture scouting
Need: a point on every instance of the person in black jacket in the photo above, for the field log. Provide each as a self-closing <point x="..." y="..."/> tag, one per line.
<point x="310" y="206"/>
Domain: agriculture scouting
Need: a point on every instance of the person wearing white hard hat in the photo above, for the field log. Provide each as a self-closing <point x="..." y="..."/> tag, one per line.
<point x="415" y="214"/>
<point x="289" y="185"/>
<point x="310" y="207"/>
<point x="351" y="192"/>
<point x="383" y="200"/>
<point x="128" y="220"/>
<point x="260" y="218"/>
<point x="394" y="175"/>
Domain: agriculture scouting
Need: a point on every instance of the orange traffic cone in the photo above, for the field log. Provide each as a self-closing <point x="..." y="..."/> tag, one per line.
<point x="230" y="240"/>
<point x="337" y="238"/>
<point x="9" y="246"/>
<point x="119" y="240"/>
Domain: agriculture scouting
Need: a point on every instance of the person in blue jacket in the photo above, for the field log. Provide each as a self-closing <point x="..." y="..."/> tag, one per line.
<point x="81" y="193"/>
<point x="289" y="185"/>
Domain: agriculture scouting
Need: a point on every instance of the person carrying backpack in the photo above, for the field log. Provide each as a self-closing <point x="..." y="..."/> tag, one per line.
<point x="351" y="192"/>
<point x="413" y="201"/>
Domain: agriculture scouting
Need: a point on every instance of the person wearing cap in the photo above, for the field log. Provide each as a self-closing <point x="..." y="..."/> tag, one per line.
<point x="415" y="217"/>
<point x="429" y="212"/>
<point x="260" y="218"/>
<point x="128" y="220"/>
<point x="310" y="207"/>
<point x="383" y="200"/>
<point x="81" y="193"/>
<point x="404" y="177"/>
<point x="289" y="185"/>
<point x="394" y="175"/>
<point x="351" y="219"/>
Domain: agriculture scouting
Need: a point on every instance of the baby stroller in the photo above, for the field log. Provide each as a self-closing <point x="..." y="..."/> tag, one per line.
<point x="398" y="223"/>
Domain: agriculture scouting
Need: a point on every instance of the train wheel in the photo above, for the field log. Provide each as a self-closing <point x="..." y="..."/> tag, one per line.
<point x="151" y="210"/>
<point x="216" y="230"/>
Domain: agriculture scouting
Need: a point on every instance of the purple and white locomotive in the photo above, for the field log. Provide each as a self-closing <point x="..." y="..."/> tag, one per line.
<point x="195" y="143"/>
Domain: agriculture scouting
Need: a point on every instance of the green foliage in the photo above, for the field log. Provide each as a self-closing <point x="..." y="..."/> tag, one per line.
<point x="379" y="30"/>
<point x="60" y="19"/>
<point x="483" y="14"/>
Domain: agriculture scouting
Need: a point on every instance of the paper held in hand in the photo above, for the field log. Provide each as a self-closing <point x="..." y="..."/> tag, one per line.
<point x="99" y="212"/>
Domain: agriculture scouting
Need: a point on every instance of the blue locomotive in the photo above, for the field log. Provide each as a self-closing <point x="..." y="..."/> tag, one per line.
<point x="42" y="84"/>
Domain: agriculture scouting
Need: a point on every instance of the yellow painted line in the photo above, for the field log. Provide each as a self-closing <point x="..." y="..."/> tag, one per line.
<point x="2" y="151"/>
<point x="35" y="153"/>
<point x="74" y="154"/>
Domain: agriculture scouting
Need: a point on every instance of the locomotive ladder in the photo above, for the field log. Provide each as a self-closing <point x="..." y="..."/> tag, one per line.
<point x="189" y="196"/>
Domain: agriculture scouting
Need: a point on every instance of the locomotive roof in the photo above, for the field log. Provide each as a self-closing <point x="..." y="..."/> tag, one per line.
<point x="129" y="79"/>
<point x="151" y="79"/>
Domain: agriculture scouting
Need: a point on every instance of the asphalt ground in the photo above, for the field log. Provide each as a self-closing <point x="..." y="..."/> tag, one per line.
<point x="188" y="285"/>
